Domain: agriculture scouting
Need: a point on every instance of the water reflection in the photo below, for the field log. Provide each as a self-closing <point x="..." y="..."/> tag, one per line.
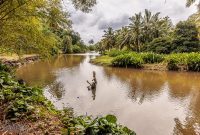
<point x="93" y="85"/>
<point x="41" y="73"/>
<point x="143" y="85"/>
<point x="147" y="85"/>
<point x="56" y="90"/>
<point x="150" y="102"/>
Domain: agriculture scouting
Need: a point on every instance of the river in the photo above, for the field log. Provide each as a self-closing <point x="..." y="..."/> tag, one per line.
<point x="148" y="102"/>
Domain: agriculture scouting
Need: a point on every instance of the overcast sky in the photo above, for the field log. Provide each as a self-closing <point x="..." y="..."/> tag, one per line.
<point x="115" y="13"/>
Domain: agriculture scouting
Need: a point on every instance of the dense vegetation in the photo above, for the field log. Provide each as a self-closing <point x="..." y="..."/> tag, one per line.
<point x="150" y="39"/>
<point x="44" y="27"/>
<point x="20" y="102"/>
<point x="151" y="33"/>
<point x="177" y="61"/>
<point x="39" y="26"/>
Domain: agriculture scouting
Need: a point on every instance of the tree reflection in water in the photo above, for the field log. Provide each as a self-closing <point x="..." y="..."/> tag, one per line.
<point x="147" y="85"/>
<point x="143" y="85"/>
<point x="56" y="90"/>
<point x="169" y="100"/>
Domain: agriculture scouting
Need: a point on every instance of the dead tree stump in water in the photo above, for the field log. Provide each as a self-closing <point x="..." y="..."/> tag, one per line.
<point x="93" y="85"/>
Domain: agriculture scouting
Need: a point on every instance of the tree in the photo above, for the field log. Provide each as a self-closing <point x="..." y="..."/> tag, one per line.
<point x="190" y="2"/>
<point x="123" y="38"/>
<point x="136" y="31"/>
<point x="160" y="45"/>
<point x="36" y="26"/>
<point x="91" y="41"/>
<point x="84" y="5"/>
<point x="109" y="38"/>
<point x="141" y="30"/>
<point x="185" y="37"/>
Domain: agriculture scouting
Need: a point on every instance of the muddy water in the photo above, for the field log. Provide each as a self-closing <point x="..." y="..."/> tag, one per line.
<point x="149" y="102"/>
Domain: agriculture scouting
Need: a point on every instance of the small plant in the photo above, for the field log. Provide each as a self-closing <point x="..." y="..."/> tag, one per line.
<point x="20" y="99"/>
<point x="100" y="126"/>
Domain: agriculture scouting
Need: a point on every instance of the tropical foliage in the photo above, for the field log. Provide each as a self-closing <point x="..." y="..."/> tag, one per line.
<point x="150" y="33"/>
<point x="100" y="126"/>
<point x="38" y="26"/>
<point x="174" y="61"/>
<point x="142" y="30"/>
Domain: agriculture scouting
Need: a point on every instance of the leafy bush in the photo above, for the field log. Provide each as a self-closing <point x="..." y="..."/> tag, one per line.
<point x="20" y="99"/>
<point x="4" y="68"/>
<point x="174" y="60"/>
<point x="76" y="49"/>
<point x="189" y="60"/>
<point x="152" y="57"/>
<point x="185" y="38"/>
<point x="99" y="126"/>
<point x="130" y="59"/>
<point x="161" y="45"/>
<point x="193" y="62"/>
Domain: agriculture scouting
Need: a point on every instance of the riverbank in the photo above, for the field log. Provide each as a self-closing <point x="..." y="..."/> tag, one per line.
<point x="150" y="61"/>
<point x="15" y="61"/>
<point x="25" y="110"/>
<point x="107" y="61"/>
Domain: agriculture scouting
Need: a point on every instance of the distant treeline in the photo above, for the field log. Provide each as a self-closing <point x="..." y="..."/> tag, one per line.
<point x="150" y="33"/>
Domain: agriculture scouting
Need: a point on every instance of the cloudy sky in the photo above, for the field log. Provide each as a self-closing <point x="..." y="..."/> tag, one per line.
<point x="115" y="13"/>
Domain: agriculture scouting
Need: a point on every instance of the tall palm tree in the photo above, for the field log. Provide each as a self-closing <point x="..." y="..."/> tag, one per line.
<point x="136" y="30"/>
<point x="123" y="37"/>
<point x="190" y="2"/>
<point x="109" y="38"/>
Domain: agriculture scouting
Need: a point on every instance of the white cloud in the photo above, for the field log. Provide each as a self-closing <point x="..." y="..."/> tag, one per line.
<point x="115" y="13"/>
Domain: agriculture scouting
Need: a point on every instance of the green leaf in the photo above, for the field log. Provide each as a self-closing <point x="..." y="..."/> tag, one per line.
<point x="111" y="118"/>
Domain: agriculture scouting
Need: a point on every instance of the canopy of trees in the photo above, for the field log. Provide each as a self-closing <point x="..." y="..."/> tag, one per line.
<point x="149" y="32"/>
<point x="38" y="26"/>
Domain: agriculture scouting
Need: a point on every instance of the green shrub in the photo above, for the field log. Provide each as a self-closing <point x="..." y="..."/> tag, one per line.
<point x="99" y="126"/>
<point x="185" y="38"/>
<point x="20" y="99"/>
<point x="193" y="62"/>
<point x="54" y="51"/>
<point x="172" y="65"/>
<point x="161" y="45"/>
<point x="174" y="60"/>
<point x="4" y="68"/>
<point x="76" y="49"/>
<point x="152" y="57"/>
<point x="130" y="59"/>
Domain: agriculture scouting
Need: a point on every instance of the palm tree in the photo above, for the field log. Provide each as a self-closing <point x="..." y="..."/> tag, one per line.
<point x="136" y="30"/>
<point x="109" y="38"/>
<point x="123" y="37"/>
<point x="190" y="2"/>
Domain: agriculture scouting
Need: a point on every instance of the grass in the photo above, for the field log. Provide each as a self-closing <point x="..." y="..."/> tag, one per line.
<point x="103" y="60"/>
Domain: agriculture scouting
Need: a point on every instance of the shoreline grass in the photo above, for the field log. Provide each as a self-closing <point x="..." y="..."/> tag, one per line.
<point x="151" y="61"/>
